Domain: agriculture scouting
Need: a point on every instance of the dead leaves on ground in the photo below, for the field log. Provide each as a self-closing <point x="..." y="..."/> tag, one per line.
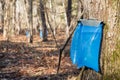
<point x="37" y="59"/>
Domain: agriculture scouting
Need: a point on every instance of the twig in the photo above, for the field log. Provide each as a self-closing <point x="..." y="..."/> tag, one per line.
<point x="51" y="30"/>
<point x="61" y="50"/>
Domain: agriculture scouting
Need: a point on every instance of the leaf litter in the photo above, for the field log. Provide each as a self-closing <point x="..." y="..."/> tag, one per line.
<point x="39" y="60"/>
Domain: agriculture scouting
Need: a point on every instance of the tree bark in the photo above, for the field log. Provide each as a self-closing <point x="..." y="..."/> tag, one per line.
<point x="2" y="13"/>
<point x="13" y="16"/>
<point x="44" y="26"/>
<point x="30" y="20"/>
<point x="68" y="12"/>
<point x="9" y="18"/>
<point x="111" y="70"/>
<point x="6" y="20"/>
<point x="107" y="11"/>
<point x="80" y="9"/>
<point x="65" y="16"/>
<point x="53" y="14"/>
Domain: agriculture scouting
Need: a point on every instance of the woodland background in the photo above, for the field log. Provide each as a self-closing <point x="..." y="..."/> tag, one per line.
<point x="34" y="58"/>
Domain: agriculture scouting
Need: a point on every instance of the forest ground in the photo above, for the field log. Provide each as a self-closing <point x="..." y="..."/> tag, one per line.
<point x="37" y="61"/>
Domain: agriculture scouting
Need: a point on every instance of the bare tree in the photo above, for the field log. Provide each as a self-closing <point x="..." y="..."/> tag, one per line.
<point x="18" y="20"/>
<point x="2" y="13"/>
<point x="53" y="14"/>
<point x="44" y="26"/>
<point x="29" y="6"/>
<point x="6" y="19"/>
<point x="65" y="16"/>
<point x="13" y="16"/>
<point x="9" y="18"/>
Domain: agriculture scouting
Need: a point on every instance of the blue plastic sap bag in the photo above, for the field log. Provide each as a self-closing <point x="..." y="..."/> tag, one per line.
<point x="27" y="34"/>
<point x="41" y="33"/>
<point x="85" y="46"/>
<point x="41" y="36"/>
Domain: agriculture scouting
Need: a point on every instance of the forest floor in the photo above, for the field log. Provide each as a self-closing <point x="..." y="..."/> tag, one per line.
<point x="38" y="61"/>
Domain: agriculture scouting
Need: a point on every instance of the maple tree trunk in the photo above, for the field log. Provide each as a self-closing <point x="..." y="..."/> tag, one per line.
<point x="112" y="49"/>
<point x="107" y="11"/>
<point x="53" y="14"/>
<point x="9" y="18"/>
<point x="30" y="20"/>
<point x="13" y="16"/>
<point x="2" y="14"/>
<point x="17" y="28"/>
<point x="44" y="26"/>
<point x="6" y="19"/>
<point x="65" y="16"/>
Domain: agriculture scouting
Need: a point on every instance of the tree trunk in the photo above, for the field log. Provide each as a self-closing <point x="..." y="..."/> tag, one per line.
<point x="17" y="28"/>
<point x="9" y="18"/>
<point x="44" y="26"/>
<point x="80" y="9"/>
<point x="68" y="12"/>
<point x="2" y="14"/>
<point x="53" y="14"/>
<point x="13" y="16"/>
<point x="30" y="20"/>
<point x="65" y="16"/>
<point x="107" y="11"/>
<point x="111" y="61"/>
<point x="6" y="20"/>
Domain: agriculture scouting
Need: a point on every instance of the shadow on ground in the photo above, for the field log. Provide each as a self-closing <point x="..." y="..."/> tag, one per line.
<point x="21" y="60"/>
